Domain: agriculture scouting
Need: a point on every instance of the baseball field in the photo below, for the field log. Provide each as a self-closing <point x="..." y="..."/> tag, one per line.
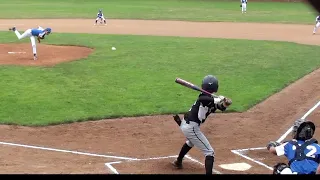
<point x="84" y="108"/>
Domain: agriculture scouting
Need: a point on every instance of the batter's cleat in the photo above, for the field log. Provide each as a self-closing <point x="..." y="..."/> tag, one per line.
<point x="12" y="29"/>
<point x="177" y="164"/>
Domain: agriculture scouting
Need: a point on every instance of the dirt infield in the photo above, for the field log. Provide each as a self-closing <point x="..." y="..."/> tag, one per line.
<point x="147" y="145"/>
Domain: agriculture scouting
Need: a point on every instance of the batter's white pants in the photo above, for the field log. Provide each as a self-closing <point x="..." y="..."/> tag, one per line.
<point x="196" y="138"/>
<point x="27" y="33"/>
<point x="316" y="27"/>
<point x="244" y="7"/>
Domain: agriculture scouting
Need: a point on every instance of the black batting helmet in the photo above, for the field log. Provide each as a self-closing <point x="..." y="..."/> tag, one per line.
<point x="210" y="84"/>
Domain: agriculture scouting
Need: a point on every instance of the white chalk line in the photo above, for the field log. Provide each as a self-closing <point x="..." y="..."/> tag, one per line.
<point x="96" y="155"/>
<point x="238" y="151"/>
<point x="250" y="149"/>
<point x="114" y="170"/>
<point x="196" y="161"/>
<point x="251" y="159"/>
<point x="154" y="158"/>
<point x="66" y="151"/>
<point x="16" y="52"/>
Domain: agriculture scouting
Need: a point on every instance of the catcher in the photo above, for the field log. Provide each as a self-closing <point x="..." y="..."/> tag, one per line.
<point x="302" y="152"/>
<point x="198" y="113"/>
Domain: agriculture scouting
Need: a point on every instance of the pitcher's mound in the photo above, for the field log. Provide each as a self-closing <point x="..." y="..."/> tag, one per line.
<point x="48" y="55"/>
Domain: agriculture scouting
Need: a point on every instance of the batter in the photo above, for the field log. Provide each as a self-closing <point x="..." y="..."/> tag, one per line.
<point x="197" y="115"/>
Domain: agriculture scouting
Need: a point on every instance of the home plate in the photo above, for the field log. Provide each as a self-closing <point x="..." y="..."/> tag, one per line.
<point x="16" y="52"/>
<point x="236" y="166"/>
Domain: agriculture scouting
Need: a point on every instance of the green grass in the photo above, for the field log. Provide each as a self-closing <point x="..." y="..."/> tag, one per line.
<point x="192" y="10"/>
<point x="138" y="78"/>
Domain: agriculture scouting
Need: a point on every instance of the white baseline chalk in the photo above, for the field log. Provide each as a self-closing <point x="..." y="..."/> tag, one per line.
<point x="114" y="170"/>
<point x="66" y="151"/>
<point x="16" y="52"/>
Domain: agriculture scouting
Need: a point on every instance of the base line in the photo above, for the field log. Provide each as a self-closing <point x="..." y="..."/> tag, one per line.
<point x="114" y="170"/>
<point x="67" y="151"/>
<point x="249" y="149"/>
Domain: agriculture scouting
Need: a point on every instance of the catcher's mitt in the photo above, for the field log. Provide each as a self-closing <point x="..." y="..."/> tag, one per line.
<point x="278" y="168"/>
<point x="272" y="144"/>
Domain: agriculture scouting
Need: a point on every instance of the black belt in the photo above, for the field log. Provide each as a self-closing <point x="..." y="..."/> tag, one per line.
<point x="196" y="121"/>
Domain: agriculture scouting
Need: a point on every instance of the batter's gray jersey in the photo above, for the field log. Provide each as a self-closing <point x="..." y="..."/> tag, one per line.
<point x="190" y="125"/>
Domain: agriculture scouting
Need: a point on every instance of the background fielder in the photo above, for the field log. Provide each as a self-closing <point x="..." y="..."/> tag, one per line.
<point x="198" y="113"/>
<point x="317" y="24"/>
<point x="100" y="16"/>
<point x="244" y="6"/>
<point x="39" y="32"/>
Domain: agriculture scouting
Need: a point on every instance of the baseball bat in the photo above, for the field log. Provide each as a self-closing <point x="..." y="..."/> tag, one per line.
<point x="193" y="86"/>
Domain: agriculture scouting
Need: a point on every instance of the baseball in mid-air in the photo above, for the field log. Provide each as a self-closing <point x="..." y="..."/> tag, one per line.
<point x="113" y="48"/>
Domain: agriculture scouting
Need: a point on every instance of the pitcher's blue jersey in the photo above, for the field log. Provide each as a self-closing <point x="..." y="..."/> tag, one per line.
<point x="37" y="32"/>
<point x="243" y="1"/>
<point x="306" y="166"/>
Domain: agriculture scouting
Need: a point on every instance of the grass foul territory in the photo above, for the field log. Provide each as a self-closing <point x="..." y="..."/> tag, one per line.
<point x="188" y="10"/>
<point x="138" y="78"/>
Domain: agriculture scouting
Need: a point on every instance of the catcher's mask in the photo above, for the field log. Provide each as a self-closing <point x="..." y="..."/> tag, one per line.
<point x="210" y="84"/>
<point x="303" y="130"/>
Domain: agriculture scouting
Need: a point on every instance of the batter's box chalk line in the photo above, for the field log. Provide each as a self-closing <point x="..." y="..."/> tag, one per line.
<point x="12" y="52"/>
<point x="242" y="152"/>
<point x="115" y="171"/>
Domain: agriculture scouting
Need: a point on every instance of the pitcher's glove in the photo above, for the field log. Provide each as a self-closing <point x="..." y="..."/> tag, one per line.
<point x="240" y="5"/>
<point x="272" y="144"/>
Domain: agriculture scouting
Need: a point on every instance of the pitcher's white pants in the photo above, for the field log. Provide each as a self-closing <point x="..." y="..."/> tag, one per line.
<point x="27" y="33"/>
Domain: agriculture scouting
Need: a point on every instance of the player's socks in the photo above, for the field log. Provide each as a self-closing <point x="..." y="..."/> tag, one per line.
<point x="184" y="150"/>
<point x="209" y="164"/>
